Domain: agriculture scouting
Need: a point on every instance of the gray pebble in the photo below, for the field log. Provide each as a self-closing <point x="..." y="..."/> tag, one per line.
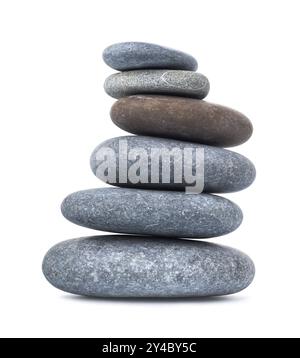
<point x="129" y="266"/>
<point x="152" y="212"/>
<point x="126" y="56"/>
<point x="172" y="82"/>
<point x="224" y="170"/>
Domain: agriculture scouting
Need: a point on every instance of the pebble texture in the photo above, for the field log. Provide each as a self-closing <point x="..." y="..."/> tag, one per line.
<point x="172" y="82"/>
<point x="131" y="266"/>
<point x="140" y="55"/>
<point x="224" y="170"/>
<point x="181" y="118"/>
<point x="152" y="212"/>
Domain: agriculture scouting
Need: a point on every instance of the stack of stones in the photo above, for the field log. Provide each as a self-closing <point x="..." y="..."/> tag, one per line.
<point x="160" y="101"/>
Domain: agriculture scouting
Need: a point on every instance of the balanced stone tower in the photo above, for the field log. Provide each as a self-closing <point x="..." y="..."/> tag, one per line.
<point x="167" y="175"/>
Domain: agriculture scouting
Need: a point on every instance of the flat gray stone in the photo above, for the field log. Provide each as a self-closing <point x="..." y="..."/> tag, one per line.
<point x="181" y="118"/>
<point x="126" y="56"/>
<point x="224" y="170"/>
<point x="129" y="266"/>
<point x="152" y="212"/>
<point x="172" y="82"/>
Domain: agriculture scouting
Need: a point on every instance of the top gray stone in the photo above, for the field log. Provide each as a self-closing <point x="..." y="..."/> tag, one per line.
<point x="126" y="56"/>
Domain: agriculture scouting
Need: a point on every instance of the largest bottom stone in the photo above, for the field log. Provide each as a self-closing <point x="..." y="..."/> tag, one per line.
<point x="137" y="266"/>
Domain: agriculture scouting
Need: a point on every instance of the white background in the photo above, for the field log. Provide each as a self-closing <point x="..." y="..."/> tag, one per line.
<point x="54" y="111"/>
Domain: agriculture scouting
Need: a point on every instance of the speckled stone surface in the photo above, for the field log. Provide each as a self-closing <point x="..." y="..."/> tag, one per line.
<point x="130" y="266"/>
<point x="172" y="82"/>
<point x="152" y="212"/>
<point x="141" y="55"/>
<point x="181" y="118"/>
<point x="224" y="170"/>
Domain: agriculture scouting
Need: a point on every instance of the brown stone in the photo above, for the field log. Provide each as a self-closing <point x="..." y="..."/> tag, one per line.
<point x="181" y="118"/>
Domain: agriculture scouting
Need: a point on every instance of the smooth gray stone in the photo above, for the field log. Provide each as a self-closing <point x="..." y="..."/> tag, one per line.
<point x="224" y="171"/>
<point x="126" y="56"/>
<point x="152" y="212"/>
<point x="130" y="266"/>
<point x="171" y="82"/>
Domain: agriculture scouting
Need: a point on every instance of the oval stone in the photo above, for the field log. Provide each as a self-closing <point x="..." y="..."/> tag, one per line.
<point x="130" y="266"/>
<point x="224" y="171"/>
<point x="152" y="212"/>
<point x="126" y="56"/>
<point x="179" y="83"/>
<point x="181" y="118"/>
